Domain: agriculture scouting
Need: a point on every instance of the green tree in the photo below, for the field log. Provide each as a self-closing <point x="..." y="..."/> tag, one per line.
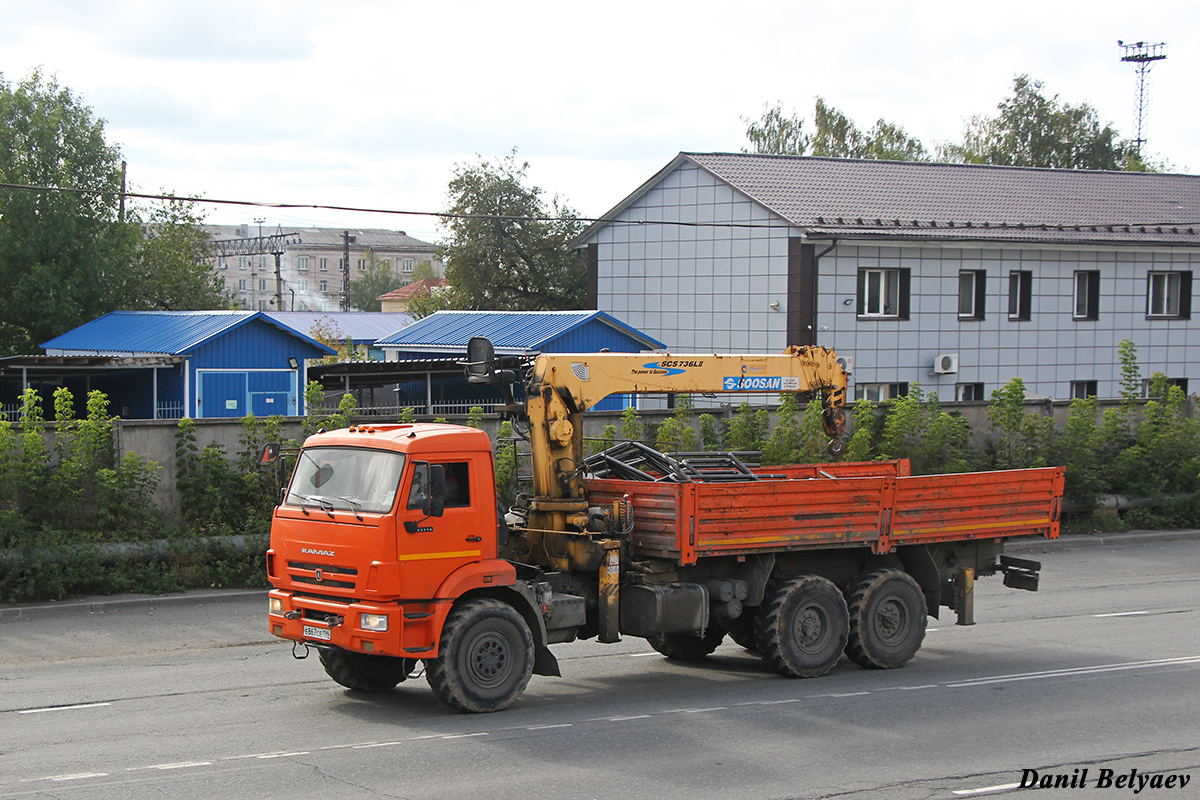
<point x="834" y="135"/>
<point x="1033" y="130"/>
<point x="424" y="303"/>
<point x="775" y="134"/>
<point x="376" y="277"/>
<point x="506" y="249"/>
<point x="422" y="271"/>
<point x="171" y="269"/>
<point x="62" y="253"/>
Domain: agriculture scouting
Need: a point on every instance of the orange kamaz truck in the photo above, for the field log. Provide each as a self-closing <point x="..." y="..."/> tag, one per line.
<point x="389" y="552"/>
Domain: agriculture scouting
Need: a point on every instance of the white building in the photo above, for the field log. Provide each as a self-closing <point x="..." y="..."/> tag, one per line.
<point x="956" y="277"/>
<point x="310" y="268"/>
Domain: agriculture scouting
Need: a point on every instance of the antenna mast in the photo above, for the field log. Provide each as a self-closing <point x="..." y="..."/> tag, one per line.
<point x="1142" y="55"/>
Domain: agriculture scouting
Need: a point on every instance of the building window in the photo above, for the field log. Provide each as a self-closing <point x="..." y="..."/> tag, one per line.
<point x="1082" y="389"/>
<point x="302" y="287"/>
<point x="1148" y="385"/>
<point x="242" y="262"/>
<point x="262" y="285"/>
<point x="324" y="264"/>
<point x="968" y="392"/>
<point x="972" y="291"/>
<point x="302" y="263"/>
<point x="242" y="285"/>
<point x="883" y="293"/>
<point x="362" y="263"/>
<point x="324" y="286"/>
<point x="1169" y="294"/>
<point x="222" y="263"/>
<point x="262" y="262"/>
<point x="406" y="265"/>
<point x="1087" y="294"/>
<point x="1020" y="295"/>
<point x="879" y="392"/>
<point x="262" y="305"/>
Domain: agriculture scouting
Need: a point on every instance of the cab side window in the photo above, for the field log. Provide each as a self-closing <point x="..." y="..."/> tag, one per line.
<point x="458" y="484"/>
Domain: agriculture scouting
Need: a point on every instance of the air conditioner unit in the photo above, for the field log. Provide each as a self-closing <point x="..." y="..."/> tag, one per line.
<point x="945" y="363"/>
<point x="847" y="364"/>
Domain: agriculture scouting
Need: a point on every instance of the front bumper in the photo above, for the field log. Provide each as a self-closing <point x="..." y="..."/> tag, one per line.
<point x="411" y="627"/>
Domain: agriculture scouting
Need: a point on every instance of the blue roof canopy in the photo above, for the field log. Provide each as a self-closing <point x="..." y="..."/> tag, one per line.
<point x="511" y="332"/>
<point x="160" y="332"/>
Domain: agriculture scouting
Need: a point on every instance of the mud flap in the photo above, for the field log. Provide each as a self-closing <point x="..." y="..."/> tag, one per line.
<point x="544" y="662"/>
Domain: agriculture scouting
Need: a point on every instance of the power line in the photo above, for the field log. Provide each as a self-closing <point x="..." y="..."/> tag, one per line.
<point x="865" y="223"/>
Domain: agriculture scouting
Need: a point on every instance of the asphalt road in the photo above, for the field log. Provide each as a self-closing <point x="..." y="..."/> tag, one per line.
<point x="1100" y="670"/>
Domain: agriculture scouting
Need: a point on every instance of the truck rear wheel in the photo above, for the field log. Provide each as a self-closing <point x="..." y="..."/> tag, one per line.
<point x="365" y="673"/>
<point x="485" y="657"/>
<point x="887" y="619"/>
<point x="685" y="647"/>
<point x="802" y="628"/>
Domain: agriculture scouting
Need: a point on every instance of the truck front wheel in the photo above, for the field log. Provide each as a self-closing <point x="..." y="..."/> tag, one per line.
<point x="802" y="629"/>
<point x="365" y="673"/>
<point x="485" y="657"/>
<point x="887" y="619"/>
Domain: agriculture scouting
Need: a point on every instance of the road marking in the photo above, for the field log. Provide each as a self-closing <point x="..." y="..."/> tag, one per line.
<point x="62" y="708"/>
<point x="463" y="735"/>
<point x="620" y="719"/>
<point x="78" y="776"/>
<point x="1065" y="673"/>
<point x="642" y="655"/>
<point x="548" y="727"/>
<point x="696" y="710"/>
<point x="282" y="755"/>
<point x="1004" y="787"/>
<point x="180" y="765"/>
<point x="1122" y="614"/>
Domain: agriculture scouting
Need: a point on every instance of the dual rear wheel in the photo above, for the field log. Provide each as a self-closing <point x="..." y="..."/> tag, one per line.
<point x="806" y="623"/>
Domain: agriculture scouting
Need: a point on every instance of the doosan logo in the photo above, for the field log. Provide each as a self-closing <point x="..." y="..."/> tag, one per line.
<point x="311" y="552"/>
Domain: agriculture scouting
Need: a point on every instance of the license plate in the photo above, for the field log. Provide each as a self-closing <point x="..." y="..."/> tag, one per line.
<point x="313" y="632"/>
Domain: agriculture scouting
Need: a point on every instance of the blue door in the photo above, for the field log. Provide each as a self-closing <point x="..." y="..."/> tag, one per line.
<point x="221" y="394"/>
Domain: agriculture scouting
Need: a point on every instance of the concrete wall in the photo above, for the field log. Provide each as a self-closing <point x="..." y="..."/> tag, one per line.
<point x="155" y="439"/>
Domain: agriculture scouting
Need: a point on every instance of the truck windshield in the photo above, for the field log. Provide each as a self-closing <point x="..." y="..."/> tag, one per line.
<point x="351" y="479"/>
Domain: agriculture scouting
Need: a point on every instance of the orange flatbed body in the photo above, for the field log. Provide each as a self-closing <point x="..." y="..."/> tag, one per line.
<point x="869" y="504"/>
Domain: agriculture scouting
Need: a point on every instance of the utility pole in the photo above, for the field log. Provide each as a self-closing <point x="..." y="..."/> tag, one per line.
<point x="1142" y="55"/>
<point x="347" y="240"/>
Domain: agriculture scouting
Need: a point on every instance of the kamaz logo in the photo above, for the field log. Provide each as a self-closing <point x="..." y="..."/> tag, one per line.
<point x="311" y="552"/>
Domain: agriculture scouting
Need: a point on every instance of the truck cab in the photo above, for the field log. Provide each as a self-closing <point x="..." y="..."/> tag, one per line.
<point x="379" y="530"/>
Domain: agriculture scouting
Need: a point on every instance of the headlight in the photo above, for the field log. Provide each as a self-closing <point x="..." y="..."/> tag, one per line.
<point x="275" y="605"/>
<point x="373" y="622"/>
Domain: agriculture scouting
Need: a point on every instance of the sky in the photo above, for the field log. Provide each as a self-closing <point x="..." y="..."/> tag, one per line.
<point x="374" y="103"/>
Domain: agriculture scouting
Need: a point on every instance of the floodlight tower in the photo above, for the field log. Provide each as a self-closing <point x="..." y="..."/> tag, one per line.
<point x="1142" y="55"/>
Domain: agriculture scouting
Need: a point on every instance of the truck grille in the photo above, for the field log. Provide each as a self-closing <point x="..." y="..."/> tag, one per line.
<point x="321" y="574"/>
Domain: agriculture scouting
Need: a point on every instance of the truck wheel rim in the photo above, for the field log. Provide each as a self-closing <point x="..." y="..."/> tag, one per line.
<point x="810" y="629"/>
<point x="891" y="621"/>
<point x="489" y="659"/>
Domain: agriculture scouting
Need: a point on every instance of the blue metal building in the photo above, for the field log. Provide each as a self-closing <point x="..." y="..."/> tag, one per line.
<point x="168" y="364"/>
<point x="445" y="334"/>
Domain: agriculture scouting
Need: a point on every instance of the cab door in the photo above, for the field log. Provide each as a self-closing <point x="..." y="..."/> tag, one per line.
<point x="431" y="547"/>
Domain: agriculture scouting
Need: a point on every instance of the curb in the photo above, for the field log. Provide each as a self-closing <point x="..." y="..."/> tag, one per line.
<point x="108" y="605"/>
<point x="1099" y="540"/>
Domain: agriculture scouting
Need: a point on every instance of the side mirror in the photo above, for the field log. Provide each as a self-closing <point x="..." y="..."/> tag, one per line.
<point x="428" y="490"/>
<point x="436" y="504"/>
<point x="269" y="454"/>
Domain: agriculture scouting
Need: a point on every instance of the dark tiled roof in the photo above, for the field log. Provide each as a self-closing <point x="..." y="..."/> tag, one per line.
<point x="842" y="198"/>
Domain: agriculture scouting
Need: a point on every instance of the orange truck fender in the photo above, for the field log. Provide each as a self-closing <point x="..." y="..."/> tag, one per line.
<point x="498" y="579"/>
